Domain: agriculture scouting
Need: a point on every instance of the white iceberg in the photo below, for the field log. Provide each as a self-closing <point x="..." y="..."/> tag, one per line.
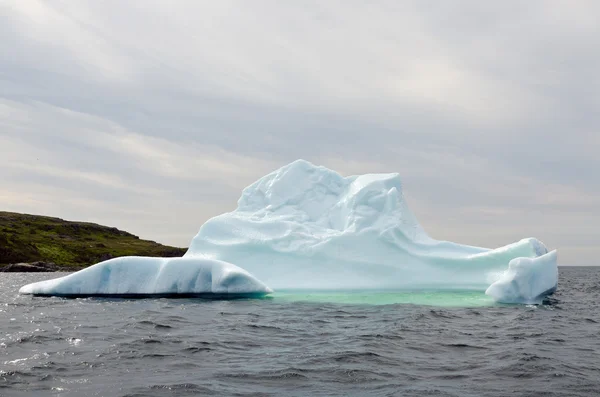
<point x="134" y="276"/>
<point x="307" y="227"/>
<point x="527" y="280"/>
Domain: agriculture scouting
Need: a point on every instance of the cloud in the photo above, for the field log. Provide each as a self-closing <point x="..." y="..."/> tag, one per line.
<point x="124" y="113"/>
<point x="96" y="169"/>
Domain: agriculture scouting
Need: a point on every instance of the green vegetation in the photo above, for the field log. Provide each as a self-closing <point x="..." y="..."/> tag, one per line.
<point x="32" y="238"/>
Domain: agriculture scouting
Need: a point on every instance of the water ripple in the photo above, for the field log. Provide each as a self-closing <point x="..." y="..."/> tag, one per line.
<point x="271" y="347"/>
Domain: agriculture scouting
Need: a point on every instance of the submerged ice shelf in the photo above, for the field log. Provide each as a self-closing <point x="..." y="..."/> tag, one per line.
<point x="307" y="227"/>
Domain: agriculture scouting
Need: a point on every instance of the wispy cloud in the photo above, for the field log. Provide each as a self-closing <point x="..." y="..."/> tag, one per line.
<point x="152" y="116"/>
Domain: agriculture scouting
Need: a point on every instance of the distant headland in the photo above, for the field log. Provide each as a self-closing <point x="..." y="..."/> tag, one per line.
<point x="34" y="243"/>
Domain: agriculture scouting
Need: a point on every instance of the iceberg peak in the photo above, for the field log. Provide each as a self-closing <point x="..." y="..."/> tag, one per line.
<point x="317" y="196"/>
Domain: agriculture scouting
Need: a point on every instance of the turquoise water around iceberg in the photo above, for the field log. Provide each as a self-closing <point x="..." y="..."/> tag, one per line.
<point x="465" y="298"/>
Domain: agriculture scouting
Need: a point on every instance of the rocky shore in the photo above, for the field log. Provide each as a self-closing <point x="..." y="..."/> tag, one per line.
<point x="34" y="267"/>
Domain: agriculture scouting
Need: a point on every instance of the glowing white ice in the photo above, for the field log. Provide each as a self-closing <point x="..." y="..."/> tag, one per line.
<point x="527" y="280"/>
<point x="307" y="227"/>
<point x="134" y="275"/>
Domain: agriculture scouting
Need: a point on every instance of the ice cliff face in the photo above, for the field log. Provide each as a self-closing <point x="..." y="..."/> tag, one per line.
<point x="304" y="226"/>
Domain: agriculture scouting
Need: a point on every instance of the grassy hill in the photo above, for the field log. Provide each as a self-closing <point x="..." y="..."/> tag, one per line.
<point x="32" y="238"/>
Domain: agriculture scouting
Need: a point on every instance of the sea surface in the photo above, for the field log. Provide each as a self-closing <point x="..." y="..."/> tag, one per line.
<point x="303" y="344"/>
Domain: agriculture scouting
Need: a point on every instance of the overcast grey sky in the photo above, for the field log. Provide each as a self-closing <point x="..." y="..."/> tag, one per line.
<point x="151" y="116"/>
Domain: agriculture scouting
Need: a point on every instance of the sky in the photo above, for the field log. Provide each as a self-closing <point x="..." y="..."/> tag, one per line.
<point x="152" y="116"/>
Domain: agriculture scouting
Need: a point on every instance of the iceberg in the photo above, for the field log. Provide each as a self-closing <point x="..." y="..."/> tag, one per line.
<point x="527" y="280"/>
<point x="143" y="276"/>
<point x="305" y="227"/>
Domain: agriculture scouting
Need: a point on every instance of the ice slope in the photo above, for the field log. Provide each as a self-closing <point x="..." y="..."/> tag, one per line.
<point x="133" y="276"/>
<point x="307" y="227"/>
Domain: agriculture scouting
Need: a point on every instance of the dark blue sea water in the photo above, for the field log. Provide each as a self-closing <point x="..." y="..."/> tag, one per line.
<point x="302" y="344"/>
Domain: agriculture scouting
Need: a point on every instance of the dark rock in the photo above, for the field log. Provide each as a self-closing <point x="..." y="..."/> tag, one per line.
<point x="35" y="267"/>
<point x="105" y="257"/>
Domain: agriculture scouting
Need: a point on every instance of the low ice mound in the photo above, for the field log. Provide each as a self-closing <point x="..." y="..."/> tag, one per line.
<point x="307" y="227"/>
<point x="527" y="280"/>
<point x="137" y="276"/>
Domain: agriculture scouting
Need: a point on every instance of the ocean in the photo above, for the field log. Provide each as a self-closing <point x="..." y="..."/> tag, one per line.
<point x="298" y="343"/>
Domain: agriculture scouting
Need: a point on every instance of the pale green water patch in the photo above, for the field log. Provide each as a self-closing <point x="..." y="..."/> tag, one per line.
<point x="467" y="298"/>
